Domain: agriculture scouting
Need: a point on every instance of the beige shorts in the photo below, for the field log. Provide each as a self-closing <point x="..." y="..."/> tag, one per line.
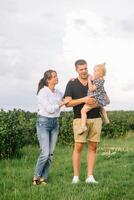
<point x="93" y="130"/>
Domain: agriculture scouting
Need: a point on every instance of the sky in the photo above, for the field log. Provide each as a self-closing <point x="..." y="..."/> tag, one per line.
<point x="37" y="35"/>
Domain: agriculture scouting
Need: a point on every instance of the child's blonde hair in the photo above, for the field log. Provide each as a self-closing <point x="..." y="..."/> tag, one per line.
<point x="102" y="67"/>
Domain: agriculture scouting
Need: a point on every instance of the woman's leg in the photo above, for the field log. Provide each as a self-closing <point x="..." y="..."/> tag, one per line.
<point x="52" y="143"/>
<point x="43" y="137"/>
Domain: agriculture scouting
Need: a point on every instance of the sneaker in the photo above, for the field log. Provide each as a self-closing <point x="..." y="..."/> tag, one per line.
<point x="82" y="130"/>
<point x="91" y="180"/>
<point x="75" y="180"/>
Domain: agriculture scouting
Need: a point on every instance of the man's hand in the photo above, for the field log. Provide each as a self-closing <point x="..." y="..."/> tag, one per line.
<point x="89" y="100"/>
<point x="72" y="79"/>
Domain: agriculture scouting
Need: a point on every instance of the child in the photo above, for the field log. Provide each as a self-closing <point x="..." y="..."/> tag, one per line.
<point x="97" y="91"/>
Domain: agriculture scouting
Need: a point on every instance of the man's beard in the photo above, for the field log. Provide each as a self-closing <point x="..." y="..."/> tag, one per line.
<point x="84" y="76"/>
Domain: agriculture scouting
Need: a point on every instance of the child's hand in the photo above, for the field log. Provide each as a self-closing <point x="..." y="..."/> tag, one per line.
<point x="90" y="77"/>
<point x="107" y="98"/>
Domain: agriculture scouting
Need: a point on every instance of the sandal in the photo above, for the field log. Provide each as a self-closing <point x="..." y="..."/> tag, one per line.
<point x="42" y="181"/>
<point x="36" y="181"/>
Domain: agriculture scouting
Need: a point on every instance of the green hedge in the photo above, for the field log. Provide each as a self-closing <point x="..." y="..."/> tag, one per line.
<point x="121" y="122"/>
<point x="66" y="128"/>
<point x="18" y="128"/>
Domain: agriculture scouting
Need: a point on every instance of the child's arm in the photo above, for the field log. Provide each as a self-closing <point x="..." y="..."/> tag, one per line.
<point x="98" y="84"/>
<point x="92" y="87"/>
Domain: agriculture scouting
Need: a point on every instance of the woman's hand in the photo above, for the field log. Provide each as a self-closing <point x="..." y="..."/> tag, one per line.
<point x="65" y="101"/>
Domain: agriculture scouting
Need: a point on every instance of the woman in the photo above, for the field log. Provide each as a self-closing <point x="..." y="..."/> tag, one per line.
<point x="49" y="104"/>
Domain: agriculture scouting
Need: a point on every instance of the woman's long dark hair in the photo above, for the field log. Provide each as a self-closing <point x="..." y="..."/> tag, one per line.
<point x="44" y="81"/>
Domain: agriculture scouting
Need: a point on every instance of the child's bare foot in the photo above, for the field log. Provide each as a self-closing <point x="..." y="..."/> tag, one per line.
<point x="107" y="125"/>
<point x="107" y="122"/>
<point x="82" y="130"/>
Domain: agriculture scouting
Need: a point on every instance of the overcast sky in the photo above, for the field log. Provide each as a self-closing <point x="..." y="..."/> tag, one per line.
<point x="37" y="35"/>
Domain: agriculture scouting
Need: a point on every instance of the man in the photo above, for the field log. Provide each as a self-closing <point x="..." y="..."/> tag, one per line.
<point x="77" y="91"/>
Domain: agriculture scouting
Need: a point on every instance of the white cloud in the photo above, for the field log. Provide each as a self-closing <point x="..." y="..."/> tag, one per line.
<point x="79" y="42"/>
<point x="36" y="36"/>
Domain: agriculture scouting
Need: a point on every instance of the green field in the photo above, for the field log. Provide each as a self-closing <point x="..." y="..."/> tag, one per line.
<point x="114" y="170"/>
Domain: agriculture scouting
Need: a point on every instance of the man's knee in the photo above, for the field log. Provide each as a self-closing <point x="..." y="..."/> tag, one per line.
<point x="93" y="146"/>
<point x="78" y="147"/>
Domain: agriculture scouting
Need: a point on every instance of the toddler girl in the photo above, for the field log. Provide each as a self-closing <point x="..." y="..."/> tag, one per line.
<point x="97" y="91"/>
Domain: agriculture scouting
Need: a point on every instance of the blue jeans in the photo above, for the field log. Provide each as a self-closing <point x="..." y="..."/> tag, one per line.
<point x="47" y="132"/>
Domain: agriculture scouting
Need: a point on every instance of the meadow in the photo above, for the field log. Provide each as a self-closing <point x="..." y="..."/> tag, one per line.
<point x="114" y="170"/>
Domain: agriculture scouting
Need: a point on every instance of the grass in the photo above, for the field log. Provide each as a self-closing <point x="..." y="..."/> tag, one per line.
<point x="114" y="170"/>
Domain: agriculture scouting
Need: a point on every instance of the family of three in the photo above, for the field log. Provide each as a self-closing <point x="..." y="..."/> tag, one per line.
<point x="87" y="96"/>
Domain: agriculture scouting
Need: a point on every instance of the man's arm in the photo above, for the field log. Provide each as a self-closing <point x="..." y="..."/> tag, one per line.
<point x="75" y="102"/>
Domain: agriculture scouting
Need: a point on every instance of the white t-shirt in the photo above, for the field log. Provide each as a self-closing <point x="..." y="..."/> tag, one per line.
<point x="48" y="102"/>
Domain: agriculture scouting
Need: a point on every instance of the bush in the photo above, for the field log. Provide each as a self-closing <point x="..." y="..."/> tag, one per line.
<point x="10" y="134"/>
<point x="120" y="123"/>
<point x="17" y="128"/>
<point x="66" y="128"/>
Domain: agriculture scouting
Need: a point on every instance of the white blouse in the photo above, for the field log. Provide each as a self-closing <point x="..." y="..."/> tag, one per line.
<point x="48" y="102"/>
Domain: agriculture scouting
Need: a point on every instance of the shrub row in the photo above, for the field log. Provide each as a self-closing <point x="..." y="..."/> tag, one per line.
<point x="18" y="128"/>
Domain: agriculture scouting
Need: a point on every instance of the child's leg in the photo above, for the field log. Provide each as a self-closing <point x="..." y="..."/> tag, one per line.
<point x="104" y="115"/>
<point x="84" y="111"/>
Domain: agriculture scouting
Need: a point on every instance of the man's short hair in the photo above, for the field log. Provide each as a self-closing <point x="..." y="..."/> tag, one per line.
<point x="80" y="62"/>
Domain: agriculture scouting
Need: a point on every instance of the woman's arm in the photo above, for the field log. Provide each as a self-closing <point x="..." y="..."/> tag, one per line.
<point x="50" y="108"/>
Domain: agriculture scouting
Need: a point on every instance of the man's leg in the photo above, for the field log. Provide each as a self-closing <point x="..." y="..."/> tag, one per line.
<point x="91" y="155"/>
<point x="95" y="126"/>
<point x="77" y="158"/>
<point x="77" y="161"/>
<point x="78" y="146"/>
<point x="92" y="146"/>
